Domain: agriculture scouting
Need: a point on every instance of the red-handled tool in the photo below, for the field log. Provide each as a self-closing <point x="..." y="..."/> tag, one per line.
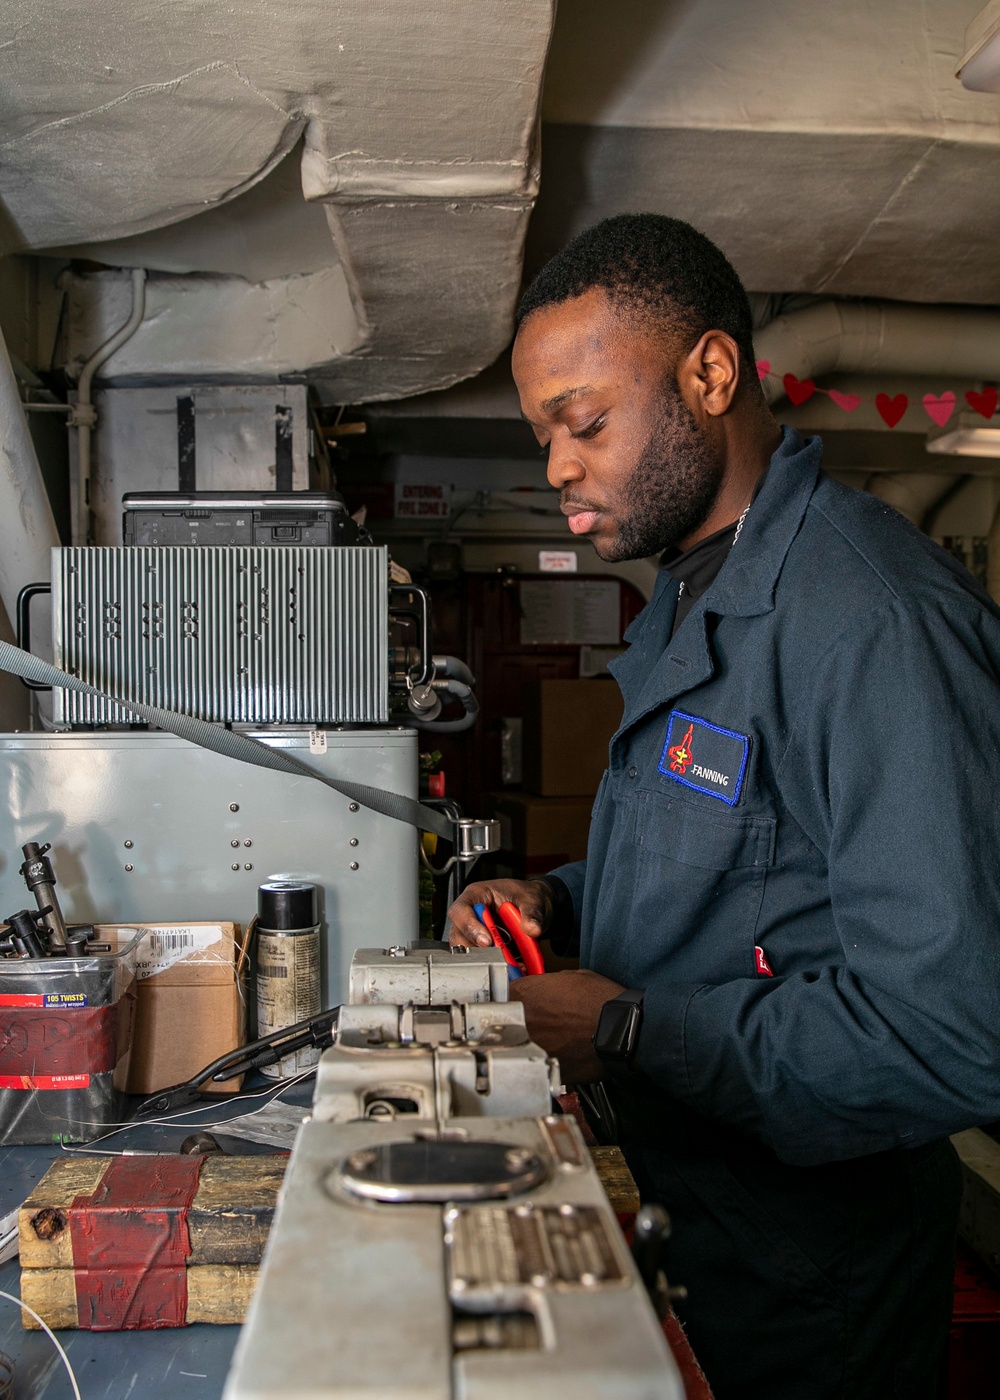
<point x="526" y="945"/>
<point x="486" y="919"/>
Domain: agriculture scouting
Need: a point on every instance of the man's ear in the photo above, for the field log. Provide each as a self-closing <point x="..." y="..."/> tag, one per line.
<point x="710" y="373"/>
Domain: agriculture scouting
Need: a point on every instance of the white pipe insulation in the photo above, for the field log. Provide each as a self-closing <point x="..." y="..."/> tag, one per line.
<point x="913" y="494"/>
<point x="27" y="527"/>
<point x="869" y="337"/>
<point x="83" y="416"/>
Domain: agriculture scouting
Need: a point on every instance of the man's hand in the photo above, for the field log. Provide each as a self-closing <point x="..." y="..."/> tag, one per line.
<point x="562" y="1010"/>
<point x="531" y="898"/>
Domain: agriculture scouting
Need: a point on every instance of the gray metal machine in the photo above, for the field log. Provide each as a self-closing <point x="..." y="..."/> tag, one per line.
<point x="442" y="1235"/>
<point x="248" y="634"/>
<point x="148" y="827"/>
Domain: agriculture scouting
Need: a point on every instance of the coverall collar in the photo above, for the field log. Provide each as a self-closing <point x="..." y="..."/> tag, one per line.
<point x="746" y="582"/>
<point x="656" y="669"/>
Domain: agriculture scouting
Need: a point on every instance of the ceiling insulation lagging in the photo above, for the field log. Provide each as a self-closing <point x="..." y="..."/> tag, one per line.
<point x="27" y="527"/>
<point x="826" y="148"/>
<point x="419" y="129"/>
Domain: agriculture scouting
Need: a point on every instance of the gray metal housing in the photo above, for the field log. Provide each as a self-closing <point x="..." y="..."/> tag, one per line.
<point x="238" y="634"/>
<point x="147" y="827"/>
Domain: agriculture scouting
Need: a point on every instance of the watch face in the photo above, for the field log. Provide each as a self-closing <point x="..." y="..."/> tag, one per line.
<point x="617" y="1030"/>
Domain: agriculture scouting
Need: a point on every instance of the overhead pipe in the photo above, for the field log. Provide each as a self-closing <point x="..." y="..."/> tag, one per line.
<point x="869" y="337"/>
<point x="913" y="494"/>
<point x="83" y="415"/>
<point x="27" y="527"/>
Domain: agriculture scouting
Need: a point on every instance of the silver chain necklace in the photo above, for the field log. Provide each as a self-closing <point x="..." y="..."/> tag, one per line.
<point x="739" y="527"/>
<point x="739" y="524"/>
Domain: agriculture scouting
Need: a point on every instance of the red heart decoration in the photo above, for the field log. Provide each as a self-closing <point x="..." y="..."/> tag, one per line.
<point x="763" y="368"/>
<point x="848" y="402"/>
<point x="984" y="402"/>
<point x="798" y="390"/>
<point x="939" y="407"/>
<point x="891" y="410"/>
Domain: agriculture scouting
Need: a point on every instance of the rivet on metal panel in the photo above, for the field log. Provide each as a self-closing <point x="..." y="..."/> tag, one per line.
<point x="234" y="843"/>
<point x="353" y="807"/>
<point x="234" y="867"/>
<point x="248" y="867"/>
<point x="129" y="869"/>
<point x="354" y="865"/>
<point x="354" y="840"/>
<point x="248" y="842"/>
<point x="234" y="806"/>
<point x="128" y="845"/>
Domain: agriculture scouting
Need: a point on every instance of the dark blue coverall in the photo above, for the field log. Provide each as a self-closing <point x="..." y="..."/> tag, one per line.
<point x="795" y="853"/>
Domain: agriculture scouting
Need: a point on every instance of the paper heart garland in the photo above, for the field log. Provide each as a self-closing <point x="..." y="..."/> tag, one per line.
<point x="848" y="402"/>
<point x="984" y="402"/>
<point x="891" y="410"/>
<point x="798" y="390"/>
<point x="939" y="407"/>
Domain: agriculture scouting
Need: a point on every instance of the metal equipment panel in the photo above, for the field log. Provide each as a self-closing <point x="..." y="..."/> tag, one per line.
<point x="247" y="635"/>
<point x="149" y="827"/>
<point x="204" y="437"/>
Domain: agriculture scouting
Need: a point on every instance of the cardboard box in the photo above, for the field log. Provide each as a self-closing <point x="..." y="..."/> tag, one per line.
<point x="567" y="728"/>
<point x="190" y="1005"/>
<point x="546" y="831"/>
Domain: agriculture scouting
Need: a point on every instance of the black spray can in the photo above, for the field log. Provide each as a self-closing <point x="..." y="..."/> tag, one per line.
<point x="288" y="971"/>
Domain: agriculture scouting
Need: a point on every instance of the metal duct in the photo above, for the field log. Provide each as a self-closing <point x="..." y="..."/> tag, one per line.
<point x="419" y="157"/>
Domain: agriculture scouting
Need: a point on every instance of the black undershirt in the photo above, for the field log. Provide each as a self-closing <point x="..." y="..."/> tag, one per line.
<point x="696" y="569"/>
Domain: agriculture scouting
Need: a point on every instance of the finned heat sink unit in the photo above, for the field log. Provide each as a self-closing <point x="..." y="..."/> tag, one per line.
<point x="249" y="635"/>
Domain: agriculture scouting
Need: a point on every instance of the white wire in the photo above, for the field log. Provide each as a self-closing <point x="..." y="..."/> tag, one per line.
<point x="51" y="1336"/>
<point x="275" y="1091"/>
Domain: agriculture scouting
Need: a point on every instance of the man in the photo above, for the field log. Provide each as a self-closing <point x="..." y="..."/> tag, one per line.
<point x="791" y="876"/>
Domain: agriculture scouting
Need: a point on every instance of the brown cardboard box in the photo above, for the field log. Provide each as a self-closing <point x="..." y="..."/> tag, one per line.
<point x="547" y="831"/>
<point x="567" y="728"/>
<point x="190" y="1007"/>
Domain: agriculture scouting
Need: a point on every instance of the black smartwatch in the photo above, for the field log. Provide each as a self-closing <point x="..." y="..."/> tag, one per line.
<point x="617" y="1033"/>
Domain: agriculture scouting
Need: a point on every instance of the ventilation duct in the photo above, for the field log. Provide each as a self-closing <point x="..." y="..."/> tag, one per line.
<point x="871" y="337"/>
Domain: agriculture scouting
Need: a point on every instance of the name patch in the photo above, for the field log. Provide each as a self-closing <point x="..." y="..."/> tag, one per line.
<point x="704" y="757"/>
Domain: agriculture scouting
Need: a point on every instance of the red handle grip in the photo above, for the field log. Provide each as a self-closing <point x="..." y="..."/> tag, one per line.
<point x="486" y="918"/>
<point x="526" y="945"/>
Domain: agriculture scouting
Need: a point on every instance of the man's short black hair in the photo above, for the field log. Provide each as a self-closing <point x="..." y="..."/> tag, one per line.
<point x="656" y="265"/>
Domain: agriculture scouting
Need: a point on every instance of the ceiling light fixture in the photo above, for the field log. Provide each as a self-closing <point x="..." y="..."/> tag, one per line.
<point x="979" y="69"/>
<point x="967" y="436"/>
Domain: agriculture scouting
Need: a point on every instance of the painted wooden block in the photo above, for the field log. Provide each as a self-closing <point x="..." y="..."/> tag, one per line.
<point x="146" y="1241"/>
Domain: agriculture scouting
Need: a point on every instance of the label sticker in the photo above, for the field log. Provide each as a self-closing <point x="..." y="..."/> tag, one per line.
<point x="317" y="741"/>
<point x="705" y="757"/>
<point x="61" y="999"/>
<point x="557" y="561"/>
<point x="172" y="943"/>
<point x="44" y="1081"/>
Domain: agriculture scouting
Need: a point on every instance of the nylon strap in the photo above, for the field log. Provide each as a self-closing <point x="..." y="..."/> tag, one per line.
<point x="232" y="744"/>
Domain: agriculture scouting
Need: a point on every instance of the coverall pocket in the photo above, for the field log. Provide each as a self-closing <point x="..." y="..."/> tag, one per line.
<point x="675" y="827"/>
<point x="704" y="874"/>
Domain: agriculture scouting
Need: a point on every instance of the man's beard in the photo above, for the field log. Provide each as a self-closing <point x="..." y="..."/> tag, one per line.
<point x="672" y="487"/>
